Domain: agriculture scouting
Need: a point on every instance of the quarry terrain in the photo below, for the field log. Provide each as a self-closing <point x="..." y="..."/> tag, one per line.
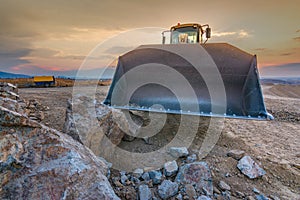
<point x="272" y="145"/>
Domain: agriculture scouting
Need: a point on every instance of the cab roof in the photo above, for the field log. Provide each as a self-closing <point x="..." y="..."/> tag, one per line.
<point x="185" y="25"/>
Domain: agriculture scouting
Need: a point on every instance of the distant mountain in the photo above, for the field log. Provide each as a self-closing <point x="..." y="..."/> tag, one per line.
<point x="281" y="80"/>
<point x="288" y="70"/>
<point x="11" y="75"/>
<point x="99" y="73"/>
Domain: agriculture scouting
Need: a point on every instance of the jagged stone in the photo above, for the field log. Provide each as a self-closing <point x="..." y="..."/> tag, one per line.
<point x="190" y="191"/>
<point x="178" y="152"/>
<point x="167" y="189"/>
<point x="202" y="197"/>
<point x="179" y="197"/>
<point x="273" y="197"/>
<point x="124" y="178"/>
<point x="197" y="174"/>
<point x="12" y="105"/>
<point x="261" y="197"/>
<point x="250" y="168"/>
<point x="250" y="198"/>
<point x="215" y="190"/>
<point x="8" y="90"/>
<point x="146" y="176"/>
<point x="191" y="158"/>
<point x="256" y="191"/>
<point x="224" y="186"/>
<point x="170" y="168"/>
<point x="145" y="192"/>
<point x="155" y="176"/>
<point x="236" y="154"/>
<point x="240" y="194"/>
<point x="138" y="172"/>
<point x="226" y="195"/>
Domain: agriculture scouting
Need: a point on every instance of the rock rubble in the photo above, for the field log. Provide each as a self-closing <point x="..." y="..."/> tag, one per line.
<point x="37" y="162"/>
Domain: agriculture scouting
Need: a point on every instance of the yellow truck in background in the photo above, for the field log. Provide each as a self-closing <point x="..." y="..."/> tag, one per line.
<point x="44" y="81"/>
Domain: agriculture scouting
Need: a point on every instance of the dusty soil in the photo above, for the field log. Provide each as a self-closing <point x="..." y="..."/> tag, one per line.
<point x="275" y="144"/>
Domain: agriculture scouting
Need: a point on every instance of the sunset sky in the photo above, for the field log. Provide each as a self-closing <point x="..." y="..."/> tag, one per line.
<point x="38" y="37"/>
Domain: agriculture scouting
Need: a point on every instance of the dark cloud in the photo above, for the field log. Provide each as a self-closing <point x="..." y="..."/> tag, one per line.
<point x="260" y="49"/>
<point x="12" y="57"/>
<point x="7" y="63"/>
<point x="298" y="31"/>
<point x="297" y="39"/>
<point x="43" y="52"/>
<point x="118" y="50"/>
<point x="72" y="57"/>
<point x="286" y="54"/>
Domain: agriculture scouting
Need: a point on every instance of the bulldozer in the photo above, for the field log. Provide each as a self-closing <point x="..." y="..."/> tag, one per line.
<point x="189" y="76"/>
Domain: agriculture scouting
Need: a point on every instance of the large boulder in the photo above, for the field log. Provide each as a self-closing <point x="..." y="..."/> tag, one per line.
<point x="37" y="162"/>
<point x="88" y="122"/>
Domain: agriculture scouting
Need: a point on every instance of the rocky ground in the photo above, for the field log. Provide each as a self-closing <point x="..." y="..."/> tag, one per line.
<point x="273" y="146"/>
<point x="38" y="162"/>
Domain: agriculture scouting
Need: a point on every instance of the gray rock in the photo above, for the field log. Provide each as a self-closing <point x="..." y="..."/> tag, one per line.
<point x="261" y="197"/>
<point x="190" y="191"/>
<point x="145" y="192"/>
<point x="138" y="172"/>
<point x="170" y="168"/>
<point x="224" y="186"/>
<point x="155" y="176"/>
<point x="273" y="197"/>
<point x="122" y="173"/>
<point x="250" y="168"/>
<point x="236" y="154"/>
<point x="191" y="158"/>
<point x="240" y="194"/>
<point x="226" y="195"/>
<point x="135" y="180"/>
<point x="167" y="189"/>
<point x="179" y="197"/>
<point x="202" y="197"/>
<point x="256" y="191"/>
<point x="124" y="178"/>
<point x="215" y="190"/>
<point x="178" y="152"/>
<point x="250" y="198"/>
<point x="197" y="174"/>
<point x="146" y="176"/>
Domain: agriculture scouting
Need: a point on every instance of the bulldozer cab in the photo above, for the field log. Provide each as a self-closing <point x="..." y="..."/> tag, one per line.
<point x="188" y="33"/>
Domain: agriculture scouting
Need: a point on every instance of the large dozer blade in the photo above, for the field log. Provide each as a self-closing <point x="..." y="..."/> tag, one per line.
<point x="208" y="80"/>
